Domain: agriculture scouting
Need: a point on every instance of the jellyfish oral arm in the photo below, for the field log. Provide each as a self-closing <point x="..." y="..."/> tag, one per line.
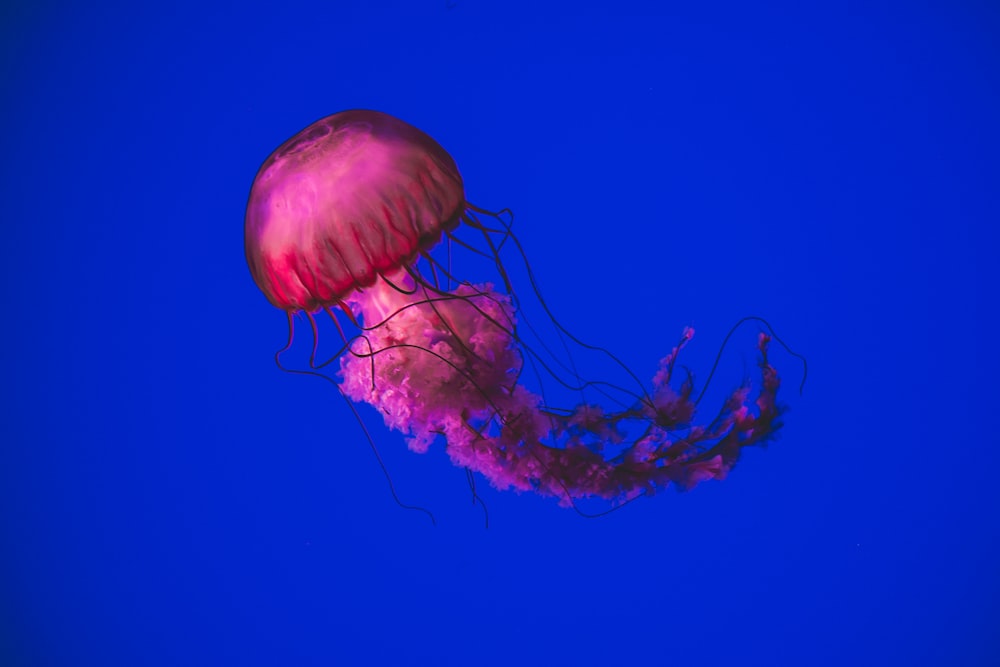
<point x="446" y="364"/>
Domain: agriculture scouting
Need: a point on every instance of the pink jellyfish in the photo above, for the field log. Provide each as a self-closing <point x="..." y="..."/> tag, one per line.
<point x="341" y="221"/>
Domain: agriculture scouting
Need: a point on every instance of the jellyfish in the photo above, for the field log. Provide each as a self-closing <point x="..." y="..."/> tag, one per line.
<point x="342" y="222"/>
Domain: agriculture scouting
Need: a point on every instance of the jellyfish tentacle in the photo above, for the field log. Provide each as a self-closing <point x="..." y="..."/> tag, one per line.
<point x="536" y="290"/>
<point x="530" y="351"/>
<point x="364" y="428"/>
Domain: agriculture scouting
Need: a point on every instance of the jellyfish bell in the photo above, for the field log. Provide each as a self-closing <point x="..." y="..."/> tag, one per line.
<point x="350" y="197"/>
<point x="342" y="218"/>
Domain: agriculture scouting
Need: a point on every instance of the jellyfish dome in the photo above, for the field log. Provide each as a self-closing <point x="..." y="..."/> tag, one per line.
<point x="342" y="221"/>
<point x="352" y="196"/>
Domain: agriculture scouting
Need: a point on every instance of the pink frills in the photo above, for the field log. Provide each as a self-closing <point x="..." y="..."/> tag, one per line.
<point x="449" y="366"/>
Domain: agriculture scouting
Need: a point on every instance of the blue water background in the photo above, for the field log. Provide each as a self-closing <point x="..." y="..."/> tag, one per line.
<point x="168" y="497"/>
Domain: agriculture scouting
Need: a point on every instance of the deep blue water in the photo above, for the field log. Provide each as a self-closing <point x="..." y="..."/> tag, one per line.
<point x="168" y="497"/>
